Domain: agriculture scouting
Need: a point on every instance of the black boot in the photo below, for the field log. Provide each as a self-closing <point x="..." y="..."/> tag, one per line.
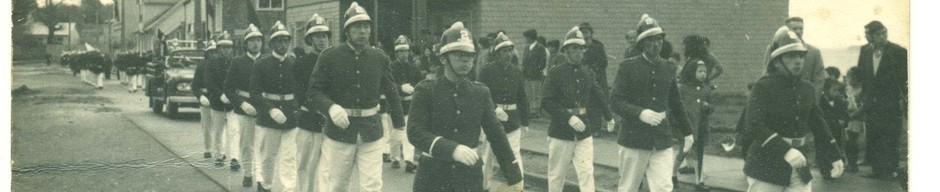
<point x="207" y="155"/>
<point x="410" y="167"/>
<point x="386" y="158"/>
<point x="395" y="165"/>
<point x="235" y="166"/>
<point x="246" y="182"/>
<point x="220" y="162"/>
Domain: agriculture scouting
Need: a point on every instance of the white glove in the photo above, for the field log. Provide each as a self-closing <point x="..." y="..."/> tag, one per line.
<point x="278" y="116"/>
<point x="339" y="116"/>
<point x="795" y="158"/>
<point x="837" y="168"/>
<point x="465" y="155"/>
<point x="407" y="88"/>
<point x="204" y="101"/>
<point x="501" y="115"/>
<point x="225" y="99"/>
<point x="250" y="110"/>
<point x="688" y="143"/>
<point x="611" y="126"/>
<point x="652" y="118"/>
<point x="576" y="123"/>
<point x="304" y="108"/>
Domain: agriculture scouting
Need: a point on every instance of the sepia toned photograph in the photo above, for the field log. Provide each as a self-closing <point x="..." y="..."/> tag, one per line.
<point x="460" y="95"/>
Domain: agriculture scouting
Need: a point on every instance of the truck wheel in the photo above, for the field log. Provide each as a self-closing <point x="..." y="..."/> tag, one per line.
<point x="156" y="105"/>
<point x="172" y="110"/>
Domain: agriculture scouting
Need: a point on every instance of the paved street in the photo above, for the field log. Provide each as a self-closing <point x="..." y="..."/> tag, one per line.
<point x="69" y="137"/>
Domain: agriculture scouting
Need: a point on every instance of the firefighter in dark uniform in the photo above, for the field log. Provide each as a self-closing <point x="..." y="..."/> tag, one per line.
<point x="781" y="110"/>
<point x="199" y="90"/>
<point x="237" y="87"/>
<point x="274" y="88"/>
<point x="447" y="115"/>
<point x="406" y="75"/>
<point x="571" y="96"/>
<point x="213" y="79"/>
<point x="507" y="88"/>
<point x="216" y="79"/>
<point x="346" y="85"/>
<point x="310" y="138"/>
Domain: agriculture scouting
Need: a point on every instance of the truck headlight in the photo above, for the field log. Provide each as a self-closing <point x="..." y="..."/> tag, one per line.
<point x="184" y="86"/>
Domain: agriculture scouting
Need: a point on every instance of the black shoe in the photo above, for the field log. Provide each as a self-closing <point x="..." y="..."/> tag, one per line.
<point x="395" y="165"/>
<point x="702" y="188"/>
<point x="410" y="167"/>
<point x="686" y="170"/>
<point x="386" y="158"/>
<point x="235" y="165"/>
<point x="219" y="162"/>
<point x="246" y="182"/>
<point x="207" y="155"/>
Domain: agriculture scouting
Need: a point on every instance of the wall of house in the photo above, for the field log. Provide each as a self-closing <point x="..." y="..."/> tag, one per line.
<point x="739" y="29"/>
<point x="235" y="18"/>
<point x="298" y="13"/>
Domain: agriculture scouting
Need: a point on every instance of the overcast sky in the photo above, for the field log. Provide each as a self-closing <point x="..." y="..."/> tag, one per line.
<point x="840" y="23"/>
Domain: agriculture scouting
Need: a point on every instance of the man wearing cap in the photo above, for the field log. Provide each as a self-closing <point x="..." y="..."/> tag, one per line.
<point x="533" y="62"/>
<point x="310" y="138"/>
<point x="216" y="72"/>
<point x="447" y="115"/>
<point x="346" y="85"/>
<point x="201" y="93"/>
<point x="813" y="68"/>
<point x="507" y="89"/>
<point x="646" y="95"/>
<point x="571" y="95"/>
<point x="274" y="88"/>
<point x="406" y="74"/>
<point x="778" y="121"/>
<point x="237" y="87"/>
<point x="883" y="66"/>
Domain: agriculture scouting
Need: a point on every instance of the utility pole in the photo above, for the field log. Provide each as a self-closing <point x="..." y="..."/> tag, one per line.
<point x="197" y="23"/>
<point x="123" y="21"/>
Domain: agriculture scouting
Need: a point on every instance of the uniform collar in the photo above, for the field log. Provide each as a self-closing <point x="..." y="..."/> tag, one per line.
<point x="358" y="51"/>
<point x="253" y="57"/>
<point x="279" y="57"/>
<point x="532" y="45"/>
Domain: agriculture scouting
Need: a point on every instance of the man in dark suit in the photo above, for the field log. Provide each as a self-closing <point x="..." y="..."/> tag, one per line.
<point x="884" y="76"/>
<point x="533" y="62"/>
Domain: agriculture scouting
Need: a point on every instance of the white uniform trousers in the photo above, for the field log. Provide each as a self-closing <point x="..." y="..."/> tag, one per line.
<point x="401" y="148"/>
<point x="279" y="155"/>
<point x="218" y="133"/>
<point x="562" y="153"/>
<point x="309" y="145"/>
<point x="490" y="163"/>
<point x="205" y="120"/>
<point x="99" y="81"/>
<point x="246" y="143"/>
<point x="338" y="160"/>
<point x="796" y="185"/>
<point x="656" y="165"/>
<point x="387" y="128"/>
<point x="232" y="136"/>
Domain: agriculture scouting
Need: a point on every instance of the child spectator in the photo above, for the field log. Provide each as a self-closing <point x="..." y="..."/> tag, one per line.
<point x="834" y="108"/>
<point x="695" y="92"/>
<point x="856" y="121"/>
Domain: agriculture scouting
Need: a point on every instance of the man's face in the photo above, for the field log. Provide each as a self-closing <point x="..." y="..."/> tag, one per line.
<point x="402" y="55"/>
<point x="461" y="62"/>
<point x="877" y="37"/>
<point x="504" y="54"/>
<point x="280" y="44"/>
<point x="792" y="61"/>
<point x="254" y="45"/>
<point x="796" y="27"/>
<point x="573" y="53"/>
<point x="319" y="41"/>
<point x="226" y="51"/>
<point x="359" y="33"/>
<point x="652" y="45"/>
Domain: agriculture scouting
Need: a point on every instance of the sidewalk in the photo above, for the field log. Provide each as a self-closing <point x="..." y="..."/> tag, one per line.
<point x="720" y="172"/>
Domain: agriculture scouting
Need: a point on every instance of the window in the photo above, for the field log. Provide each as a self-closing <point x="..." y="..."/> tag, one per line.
<point x="270" y="4"/>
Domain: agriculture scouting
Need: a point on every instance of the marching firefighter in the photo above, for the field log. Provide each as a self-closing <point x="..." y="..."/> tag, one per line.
<point x="346" y="85"/>
<point x="200" y="90"/>
<point x="310" y="138"/>
<point x="781" y="110"/>
<point x="447" y="115"/>
<point x="646" y="95"/>
<point x="215" y="77"/>
<point x="571" y="96"/>
<point x="274" y="89"/>
<point x="236" y="89"/>
<point x="211" y="88"/>
<point x="406" y="74"/>
<point x="507" y="89"/>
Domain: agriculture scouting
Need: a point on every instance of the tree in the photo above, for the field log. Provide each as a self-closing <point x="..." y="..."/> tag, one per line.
<point x="21" y="10"/>
<point x="52" y="14"/>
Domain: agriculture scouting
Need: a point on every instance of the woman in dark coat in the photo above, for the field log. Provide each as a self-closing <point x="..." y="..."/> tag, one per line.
<point x="781" y="110"/>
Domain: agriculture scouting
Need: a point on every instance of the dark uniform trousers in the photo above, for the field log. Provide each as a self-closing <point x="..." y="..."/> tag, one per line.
<point x="445" y="115"/>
